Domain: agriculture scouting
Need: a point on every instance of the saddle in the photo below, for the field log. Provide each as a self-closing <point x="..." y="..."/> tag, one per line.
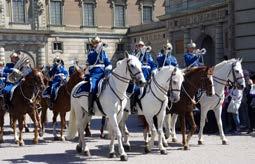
<point x="46" y="94"/>
<point x="83" y="88"/>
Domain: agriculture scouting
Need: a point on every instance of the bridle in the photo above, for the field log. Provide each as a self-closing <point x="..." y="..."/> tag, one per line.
<point x="162" y="89"/>
<point x="124" y="79"/>
<point x="229" y="82"/>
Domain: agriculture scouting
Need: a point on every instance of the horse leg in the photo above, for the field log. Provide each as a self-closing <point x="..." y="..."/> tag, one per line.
<point x="183" y="129"/>
<point x="190" y="118"/>
<point x="111" y="145"/>
<point x="114" y="124"/>
<point x="161" y="137"/>
<point x="21" y="126"/>
<point x="13" y="125"/>
<point x="125" y="131"/>
<point x="167" y="126"/>
<point x="2" y="113"/>
<point x="38" y="118"/>
<point x="63" y="124"/>
<point x="43" y="120"/>
<point x="217" y="113"/>
<point x="173" y="123"/>
<point x="82" y="147"/>
<point x="152" y="127"/>
<point x="33" y="116"/>
<point x="204" y="112"/>
<point x="54" y="120"/>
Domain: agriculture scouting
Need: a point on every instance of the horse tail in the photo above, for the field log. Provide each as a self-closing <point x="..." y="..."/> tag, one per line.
<point x="72" y="128"/>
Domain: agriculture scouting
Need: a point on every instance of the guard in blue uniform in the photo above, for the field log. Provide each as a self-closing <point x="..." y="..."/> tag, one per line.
<point x="99" y="65"/>
<point x="2" y="76"/>
<point x="148" y="68"/>
<point x="58" y="74"/>
<point x="71" y="69"/>
<point x="8" y="85"/>
<point x="192" y="59"/>
<point x="165" y="57"/>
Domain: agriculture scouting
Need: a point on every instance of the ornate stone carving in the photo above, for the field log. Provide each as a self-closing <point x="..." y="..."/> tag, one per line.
<point x="39" y="7"/>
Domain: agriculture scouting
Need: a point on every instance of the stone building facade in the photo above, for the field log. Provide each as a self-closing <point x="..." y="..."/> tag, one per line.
<point x="43" y="29"/>
<point x="223" y="27"/>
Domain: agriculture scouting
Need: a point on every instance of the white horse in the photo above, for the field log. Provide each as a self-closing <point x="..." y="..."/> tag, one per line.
<point x="167" y="80"/>
<point x="113" y="100"/>
<point x="224" y="72"/>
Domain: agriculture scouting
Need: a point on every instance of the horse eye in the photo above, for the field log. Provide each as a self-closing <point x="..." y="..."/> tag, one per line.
<point x="174" y="82"/>
<point x="237" y="71"/>
<point x="132" y="65"/>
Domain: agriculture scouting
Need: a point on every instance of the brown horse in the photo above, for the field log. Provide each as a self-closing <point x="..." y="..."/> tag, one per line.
<point x="194" y="79"/>
<point x="24" y="102"/>
<point x="62" y="104"/>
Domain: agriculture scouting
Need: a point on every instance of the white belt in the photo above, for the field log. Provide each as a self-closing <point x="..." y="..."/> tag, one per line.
<point x="59" y="74"/>
<point x="146" y="66"/>
<point x="96" y="65"/>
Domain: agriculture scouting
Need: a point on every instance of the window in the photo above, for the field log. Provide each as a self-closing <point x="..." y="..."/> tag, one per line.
<point x="120" y="47"/>
<point x="134" y="40"/>
<point x="58" y="47"/>
<point x="147" y="14"/>
<point x="18" y="7"/>
<point x="88" y="14"/>
<point x="56" y="12"/>
<point x="87" y="47"/>
<point x="119" y="16"/>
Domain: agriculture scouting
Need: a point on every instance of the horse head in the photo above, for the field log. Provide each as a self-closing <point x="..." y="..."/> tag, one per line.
<point x="171" y="77"/>
<point x="202" y="78"/>
<point x="132" y="68"/>
<point x="36" y="78"/>
<point x="236" y="74"/>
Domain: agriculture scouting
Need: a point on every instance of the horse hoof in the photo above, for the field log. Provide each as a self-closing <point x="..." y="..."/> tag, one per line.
<point x="123" y="158"/>
<point x="174" y="140"/>
<point x="165" y="144"/>
<point x="63" y="139"/>
<point x="27" y="130"/>
<point x="78" y="149"/>
<point x="224" y="142"/>
<point x="41" y="134"/>
<point x="186" y="148"/>
<point x="111" y="155"/>
<point x="21" y="143"/>
<point x="16" y="141"/>
<point x="87" y="153"/>
<point x="146" y="150"/>
<point x="35" y="141"/>
<point x="127" y="147"/>
<point x="56" y="138"/>
<point x="163" y="152"/>
<point x="200" y="142"/>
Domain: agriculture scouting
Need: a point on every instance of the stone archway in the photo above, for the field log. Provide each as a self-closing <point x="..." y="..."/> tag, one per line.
<point x="207" y="42"/>
<point x="27" y="54"/>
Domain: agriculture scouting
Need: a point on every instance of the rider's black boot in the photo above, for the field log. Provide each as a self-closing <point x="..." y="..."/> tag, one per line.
<point x="90" y="104"/>
<point x="133" y="101"/>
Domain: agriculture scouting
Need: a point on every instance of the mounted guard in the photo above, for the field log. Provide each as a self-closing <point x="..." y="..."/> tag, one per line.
<point x="14" y="73"/>
<point x="58" y="75"/>
<point x="165" y="57"/>
<point x="148" y="67"/>
<point x="194" y="56"/>
<point x="99" y="66"/>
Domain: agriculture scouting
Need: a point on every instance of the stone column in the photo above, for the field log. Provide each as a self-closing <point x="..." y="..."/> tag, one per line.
<point x="186" y="38"/>
<point x="41" y="57"/>
<point x="219" y="48"/>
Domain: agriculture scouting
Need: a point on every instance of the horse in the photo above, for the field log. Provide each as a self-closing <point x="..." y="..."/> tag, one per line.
<point x="168" y="80"/>
<point x="194" y="79"/>
<point x="113" y="100"/>
<point x="224" y="72"/>
<point x="62" y="103"/>
<point x="24" y="101"/>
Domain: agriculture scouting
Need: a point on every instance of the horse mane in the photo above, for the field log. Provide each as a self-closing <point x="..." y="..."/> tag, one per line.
<point x="193" y="70"/>
<point x="221" y="64"/>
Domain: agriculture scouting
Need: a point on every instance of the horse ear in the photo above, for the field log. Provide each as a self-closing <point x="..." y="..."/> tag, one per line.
<point x="126" y="54"/>
<point x="240" y="59"/>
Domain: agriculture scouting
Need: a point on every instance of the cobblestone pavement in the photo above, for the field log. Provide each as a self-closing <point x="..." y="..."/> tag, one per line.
<point x="241" y="149"/>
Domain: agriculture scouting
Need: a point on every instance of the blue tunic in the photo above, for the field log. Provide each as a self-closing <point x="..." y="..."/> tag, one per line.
<point x="7" y="70"/>
<point x="59" y="73"/>
<point x="98" y="65"/>
<point x="169" y="60"/>
<point x="192" y="60"/>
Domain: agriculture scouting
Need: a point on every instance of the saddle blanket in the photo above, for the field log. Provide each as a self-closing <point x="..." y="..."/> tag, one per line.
<point x="83" y="88"/>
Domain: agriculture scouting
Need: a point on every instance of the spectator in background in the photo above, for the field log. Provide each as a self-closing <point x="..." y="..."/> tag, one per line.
<point x="251" y="104"/>
<point x="233" y="107"/>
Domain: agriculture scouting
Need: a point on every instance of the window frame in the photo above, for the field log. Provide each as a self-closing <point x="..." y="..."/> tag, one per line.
<point x="61" y="12"/>
<point x="93" y="13"/>
<point x="24" y="13"/>
<point x="151" y="14"/>
<point x="117" y="14"/>
<point x="58" y="50"/>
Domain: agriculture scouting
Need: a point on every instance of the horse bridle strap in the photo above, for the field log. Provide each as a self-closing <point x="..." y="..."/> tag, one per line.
<point x="33" y="98"/>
